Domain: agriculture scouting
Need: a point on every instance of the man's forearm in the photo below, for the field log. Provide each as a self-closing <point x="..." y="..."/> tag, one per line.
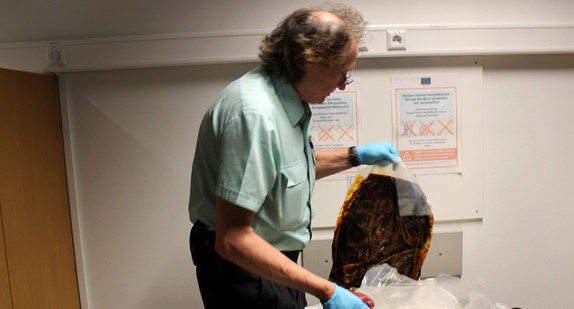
<point x="237" y="242"/>
<point x="331" y="162"/>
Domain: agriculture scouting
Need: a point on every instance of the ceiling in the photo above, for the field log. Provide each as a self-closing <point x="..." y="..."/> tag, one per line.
<point x="34" y="20"/>
<point x="53" y="20"/>
<point x="58" y="20"/>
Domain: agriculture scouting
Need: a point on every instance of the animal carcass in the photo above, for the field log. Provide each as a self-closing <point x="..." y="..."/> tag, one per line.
<point x="383" y="220"/>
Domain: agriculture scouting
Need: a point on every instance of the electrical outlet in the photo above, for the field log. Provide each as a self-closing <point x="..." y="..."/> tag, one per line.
<point x="396" y="39"/>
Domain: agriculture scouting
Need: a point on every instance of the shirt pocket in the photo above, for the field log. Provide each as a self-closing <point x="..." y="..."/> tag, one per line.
<point x="295" y="195"/>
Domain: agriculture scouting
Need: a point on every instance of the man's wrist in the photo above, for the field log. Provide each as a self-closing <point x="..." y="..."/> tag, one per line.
<point x="354" y="157"/>
<point x="327" y="293"/>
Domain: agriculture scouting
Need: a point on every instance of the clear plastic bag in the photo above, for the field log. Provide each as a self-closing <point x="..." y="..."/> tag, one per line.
<point x="411" y="199"/>
<point x="385" y="219"/>
<point x="390" y="290"/>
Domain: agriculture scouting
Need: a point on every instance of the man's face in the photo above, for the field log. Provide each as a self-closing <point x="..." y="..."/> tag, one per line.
<point x="319" y="83"/>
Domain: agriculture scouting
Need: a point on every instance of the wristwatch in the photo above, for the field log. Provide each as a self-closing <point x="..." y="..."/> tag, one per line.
<point x="353" y="157"/>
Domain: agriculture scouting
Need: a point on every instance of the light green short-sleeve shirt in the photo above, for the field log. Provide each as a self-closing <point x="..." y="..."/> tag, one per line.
<point x="254" y="150"/>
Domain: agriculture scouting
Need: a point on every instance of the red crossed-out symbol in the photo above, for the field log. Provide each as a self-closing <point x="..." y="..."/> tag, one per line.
<point x="426" y="128"/>
<point x="408" y="128"/>
<point x="325" y="134"/>
<point x="345" y="132"/>
<point x="445" y="127"/>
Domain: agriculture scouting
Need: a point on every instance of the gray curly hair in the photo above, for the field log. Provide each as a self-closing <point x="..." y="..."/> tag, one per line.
<point x="303" y="40"/>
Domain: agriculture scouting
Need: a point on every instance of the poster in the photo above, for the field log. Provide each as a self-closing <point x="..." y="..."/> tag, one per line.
<point x="334" y="122"/>
<point x="426" y="122"/>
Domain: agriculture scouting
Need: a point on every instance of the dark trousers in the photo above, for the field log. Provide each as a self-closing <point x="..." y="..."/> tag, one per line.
<point x="224" y="285"/>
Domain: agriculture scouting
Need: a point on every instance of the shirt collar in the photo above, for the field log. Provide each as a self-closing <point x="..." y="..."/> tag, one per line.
<point x="290" y="99"/>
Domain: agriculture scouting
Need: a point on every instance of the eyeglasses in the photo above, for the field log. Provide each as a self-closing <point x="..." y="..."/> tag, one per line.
<point x="346" y="80"/>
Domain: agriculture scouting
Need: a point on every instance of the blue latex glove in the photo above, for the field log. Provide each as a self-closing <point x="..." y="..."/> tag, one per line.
<point x="344" y="299"/>
<point x="378" y="153"/>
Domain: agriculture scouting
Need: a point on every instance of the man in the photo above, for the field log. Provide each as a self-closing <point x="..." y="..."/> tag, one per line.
<point x="255" y="167"/>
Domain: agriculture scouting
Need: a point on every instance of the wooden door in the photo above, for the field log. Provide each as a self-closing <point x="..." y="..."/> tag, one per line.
<point x="34" y="209"/>
<point x="5" y="298"/>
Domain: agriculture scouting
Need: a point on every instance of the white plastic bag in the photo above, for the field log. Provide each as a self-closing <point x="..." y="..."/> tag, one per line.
<point x="390" y="290"/>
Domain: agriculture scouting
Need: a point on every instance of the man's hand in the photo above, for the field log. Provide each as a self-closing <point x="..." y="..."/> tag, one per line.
<point x="344" y="299"/>
<point x="378" y="153"/>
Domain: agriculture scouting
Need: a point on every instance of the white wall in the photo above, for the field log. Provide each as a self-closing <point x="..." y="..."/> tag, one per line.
<point x="133" y="135"/>
<point x="520" y="249"/>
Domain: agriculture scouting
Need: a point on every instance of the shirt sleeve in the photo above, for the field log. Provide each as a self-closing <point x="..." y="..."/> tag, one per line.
<point x="247" y="155"/>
